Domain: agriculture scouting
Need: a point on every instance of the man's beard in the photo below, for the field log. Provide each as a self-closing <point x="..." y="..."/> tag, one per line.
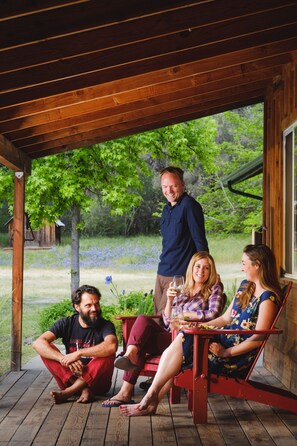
<point x="91" y="322"/>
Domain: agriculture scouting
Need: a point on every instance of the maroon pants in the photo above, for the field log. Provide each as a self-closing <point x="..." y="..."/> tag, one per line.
<point x="150" y="338"/>
<point x="97" y="373"/>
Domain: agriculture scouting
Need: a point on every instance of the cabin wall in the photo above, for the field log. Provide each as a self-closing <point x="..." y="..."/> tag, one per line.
<point x="280" y="355"/>
<point x="47" y="236"/>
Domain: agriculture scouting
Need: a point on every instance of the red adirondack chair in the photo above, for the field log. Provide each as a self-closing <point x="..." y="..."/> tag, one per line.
<point x="152" y="362"/>
<point x="199" y="382"/>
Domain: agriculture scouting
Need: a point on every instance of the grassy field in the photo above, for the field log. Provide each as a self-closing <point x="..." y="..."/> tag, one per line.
<point x="132" y="263"/>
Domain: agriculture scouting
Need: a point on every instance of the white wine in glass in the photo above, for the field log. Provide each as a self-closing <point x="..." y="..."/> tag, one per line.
<point x="177" y="313"/>
<point x="178" y="284"/>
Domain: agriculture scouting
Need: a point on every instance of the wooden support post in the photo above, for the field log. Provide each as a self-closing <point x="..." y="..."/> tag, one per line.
<point x="17" y="270"/>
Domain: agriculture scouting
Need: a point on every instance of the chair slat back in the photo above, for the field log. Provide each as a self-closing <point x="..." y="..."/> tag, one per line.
<point x="285" y="293"/>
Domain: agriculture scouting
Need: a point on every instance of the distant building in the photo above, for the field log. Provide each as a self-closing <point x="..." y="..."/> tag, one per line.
<point x="47" y="236"/>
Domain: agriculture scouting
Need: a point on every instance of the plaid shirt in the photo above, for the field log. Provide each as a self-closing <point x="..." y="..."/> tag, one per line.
<point x="205" y="310"/>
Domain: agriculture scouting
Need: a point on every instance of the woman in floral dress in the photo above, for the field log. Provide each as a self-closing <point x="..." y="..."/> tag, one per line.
<point x="254" y="306"/>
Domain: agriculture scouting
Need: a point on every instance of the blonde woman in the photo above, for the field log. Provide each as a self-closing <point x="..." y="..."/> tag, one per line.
<point x="201" y="300"/>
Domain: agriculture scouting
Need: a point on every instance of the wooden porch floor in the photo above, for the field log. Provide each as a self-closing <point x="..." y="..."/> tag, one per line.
<point x="28" y="417"/>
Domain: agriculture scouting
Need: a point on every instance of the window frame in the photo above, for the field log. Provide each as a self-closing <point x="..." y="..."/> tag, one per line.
<point x="290" y="200"/>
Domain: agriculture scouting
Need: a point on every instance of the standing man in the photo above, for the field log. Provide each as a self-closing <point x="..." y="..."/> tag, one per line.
<point x="182" y="229"/>
<point x="90" y="342"/>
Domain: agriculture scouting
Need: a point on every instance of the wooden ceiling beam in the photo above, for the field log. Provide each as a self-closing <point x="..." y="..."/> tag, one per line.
<point x="202" y="19"/>
<point x="72" y="19"/>
<point x="125" y="100"/>
<point x="99" y="118"/>
<point x="19" y="8"/>
<point x="14" y="158"/>
<point x="254" y="55"/>
<point x="84" y="16"/>
<point x="144" y="56"/>
<point x="153" y="122"/>
<point x="150" y="114"/>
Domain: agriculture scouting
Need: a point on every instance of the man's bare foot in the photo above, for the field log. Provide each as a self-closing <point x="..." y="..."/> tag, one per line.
<point x="86" y="396"/>
<point x="59" y="397"/>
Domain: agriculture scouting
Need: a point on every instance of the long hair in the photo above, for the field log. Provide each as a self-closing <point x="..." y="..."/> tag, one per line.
<point x="262" y="256"/>
<point x="207" y="286"/>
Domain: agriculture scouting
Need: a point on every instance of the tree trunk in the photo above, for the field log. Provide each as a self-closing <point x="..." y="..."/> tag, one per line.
<point x="75" y="248"/>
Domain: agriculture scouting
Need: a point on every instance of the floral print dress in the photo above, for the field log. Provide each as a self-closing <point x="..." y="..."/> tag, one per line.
<point x="242" y="319"/>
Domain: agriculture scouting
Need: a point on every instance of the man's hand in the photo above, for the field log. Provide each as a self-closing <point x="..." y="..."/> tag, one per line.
<point x="73" y="363"/>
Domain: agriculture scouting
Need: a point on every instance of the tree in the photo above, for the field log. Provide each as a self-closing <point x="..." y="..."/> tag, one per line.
<point x="68" y="182"/>
<point x="240" y="140"/>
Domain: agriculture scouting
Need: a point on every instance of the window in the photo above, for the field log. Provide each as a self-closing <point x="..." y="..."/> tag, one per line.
<point x="290" y="176"/>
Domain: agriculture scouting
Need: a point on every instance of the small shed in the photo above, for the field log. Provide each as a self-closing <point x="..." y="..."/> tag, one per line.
<point x="47" y="236"/>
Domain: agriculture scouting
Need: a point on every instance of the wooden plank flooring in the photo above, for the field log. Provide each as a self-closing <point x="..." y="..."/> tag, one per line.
<point x="28" y="417"/>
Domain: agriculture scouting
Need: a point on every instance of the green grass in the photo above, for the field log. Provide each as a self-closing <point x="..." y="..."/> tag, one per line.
<point x="132" y="262"/>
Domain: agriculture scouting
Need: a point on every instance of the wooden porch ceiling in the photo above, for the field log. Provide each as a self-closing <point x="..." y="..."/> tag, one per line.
<point x="78" y="72"/>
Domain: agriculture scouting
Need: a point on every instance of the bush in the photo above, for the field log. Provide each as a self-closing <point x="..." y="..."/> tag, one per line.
<point x="132" y="304"/>
<point x="141" y="303"/>
<point x="49" y="315"/>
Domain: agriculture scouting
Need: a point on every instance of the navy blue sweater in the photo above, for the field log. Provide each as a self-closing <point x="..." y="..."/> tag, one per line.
<point x="183" y="232"/>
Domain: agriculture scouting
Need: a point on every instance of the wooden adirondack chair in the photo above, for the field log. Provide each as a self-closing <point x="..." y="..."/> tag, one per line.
<point x="152" y="362"/>
<point x="199" y="382"/>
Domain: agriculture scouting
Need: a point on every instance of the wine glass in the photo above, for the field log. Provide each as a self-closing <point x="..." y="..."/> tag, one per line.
<point x="176" y="317"/>
<point x="178" y="284"/>
<point x="177" y="312"/>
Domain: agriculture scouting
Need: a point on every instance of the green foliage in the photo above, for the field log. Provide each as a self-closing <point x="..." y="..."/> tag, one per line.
<point x="5" y="327"/>
<point x="132" y="304"/>
<point x="4" y="239"/>
<point x="110" y="312"/>
<point x="239" y="140"/>
<point x="140" y="303"/>
<point x="116" y="184"/>
<point x="49" y="315"/>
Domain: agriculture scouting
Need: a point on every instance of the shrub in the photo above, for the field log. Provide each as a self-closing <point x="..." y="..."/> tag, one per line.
<point x="110" y="312"/>
<point x="141" y="302"/>
<point x="49" y="315"/>
<point x="132" y="304"/>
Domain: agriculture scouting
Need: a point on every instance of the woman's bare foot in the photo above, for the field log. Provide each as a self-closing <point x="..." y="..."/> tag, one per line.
<point x="86" y="396"/>
<point x="134" y="410"/>
<point x="147" y="406"/>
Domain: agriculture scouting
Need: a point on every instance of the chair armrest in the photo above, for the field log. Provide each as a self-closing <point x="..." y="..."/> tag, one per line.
<point x="212" y="332"/>
<point x="123" y="318"/>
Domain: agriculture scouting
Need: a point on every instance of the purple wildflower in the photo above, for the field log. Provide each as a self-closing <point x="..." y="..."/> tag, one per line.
<point x="108" y="280"/>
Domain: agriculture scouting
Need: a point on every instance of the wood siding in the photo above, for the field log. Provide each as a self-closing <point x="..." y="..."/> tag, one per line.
<point x="281" y="110"/>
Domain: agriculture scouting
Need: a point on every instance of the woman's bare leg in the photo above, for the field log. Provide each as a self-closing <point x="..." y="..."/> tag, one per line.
<point x="169" y="366"/>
